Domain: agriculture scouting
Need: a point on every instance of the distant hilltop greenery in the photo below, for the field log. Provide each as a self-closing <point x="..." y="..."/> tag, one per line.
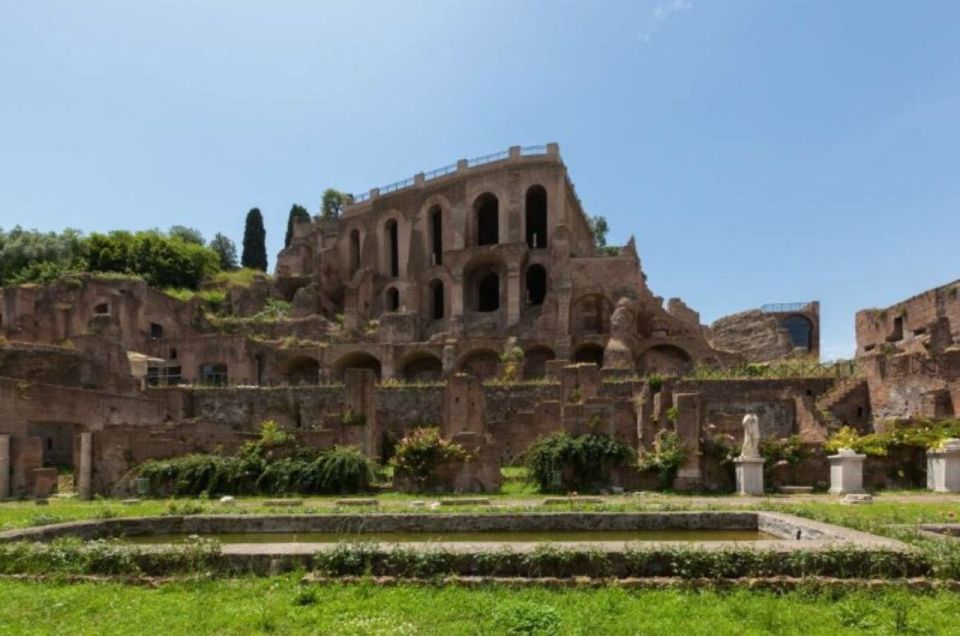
<point x="176" y="258"/>
<point x="179" y="258"/>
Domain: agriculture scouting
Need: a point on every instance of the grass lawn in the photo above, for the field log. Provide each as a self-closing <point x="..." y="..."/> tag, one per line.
<point x="281" y="605"/>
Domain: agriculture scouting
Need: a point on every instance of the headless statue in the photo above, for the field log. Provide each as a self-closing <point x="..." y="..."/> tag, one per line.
<point x="751" y="437"/>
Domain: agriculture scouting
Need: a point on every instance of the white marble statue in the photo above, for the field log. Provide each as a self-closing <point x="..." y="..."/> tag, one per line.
<point x="751" y="437"/>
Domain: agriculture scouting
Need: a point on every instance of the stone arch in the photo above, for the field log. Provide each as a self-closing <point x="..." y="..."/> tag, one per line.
<point x="589" y="352"/>
<point x="535" y="282"/>
<point x="484" y="285"/>
<point x="536" y="216"/>
<point x="481" y="363"/>
<point x="391" y="240"/>
<point x="421" y="366"/>
<point x="354" y="255"/>
<point x="590" y="315"/>
<point x="301" y="370"/>
<point x="665" y="359"/>
<point x="357" y="360"/>
<point x="392" y="299"/>
<point x="486" y="219"/>
<point x="800" y="330"/>
<point x="437" y="300"/>
<point x="535" y="360"/>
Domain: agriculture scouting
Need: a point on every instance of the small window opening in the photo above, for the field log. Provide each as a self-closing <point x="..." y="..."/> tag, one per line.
<point x="536" y="284"/>
<point x="436" y="235"/>
<point x="393" y="299"/>
<point x="156" y="331"/>
<point x="488" y="220"/>
<point x="103" y="309"/>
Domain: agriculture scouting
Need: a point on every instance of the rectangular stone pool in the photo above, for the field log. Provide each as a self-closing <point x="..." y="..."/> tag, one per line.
<point x="556" y="536"/>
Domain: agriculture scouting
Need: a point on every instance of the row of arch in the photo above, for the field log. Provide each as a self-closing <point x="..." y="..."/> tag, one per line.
<point x="485" y="229"/>
<point x="484" y="291"/>
<point x="482" y="363"/>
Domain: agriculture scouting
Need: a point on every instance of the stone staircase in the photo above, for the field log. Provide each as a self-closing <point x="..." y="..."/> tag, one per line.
<point x="839" y="392"/>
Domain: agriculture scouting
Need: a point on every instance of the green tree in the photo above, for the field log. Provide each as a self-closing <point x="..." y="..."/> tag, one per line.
<point x="254" y="242"/>
<point x="297" y="212"/>
<point x="32" y="256"/>
<point x="599" y="227"/>
<point x="186" y="234"/>
<point x="226" y="251"/>
<point x="333" y="203"/>
<point x="163" y="261"/>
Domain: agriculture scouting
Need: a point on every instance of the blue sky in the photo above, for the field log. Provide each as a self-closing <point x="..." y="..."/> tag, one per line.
<point x="759" y="151"/>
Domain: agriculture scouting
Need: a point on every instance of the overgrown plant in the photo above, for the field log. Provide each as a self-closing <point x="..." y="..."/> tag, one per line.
<point x="665" y="459"/>
<point x="418" y="454"/>
<point x="921" y="434"/>
<point x="562" y="462"/>
<point x="275" y="464"/>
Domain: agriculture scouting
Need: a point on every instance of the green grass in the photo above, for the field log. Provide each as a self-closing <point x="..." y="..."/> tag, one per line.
<point x="281" y="605"/>
<point x="242" y="277"/>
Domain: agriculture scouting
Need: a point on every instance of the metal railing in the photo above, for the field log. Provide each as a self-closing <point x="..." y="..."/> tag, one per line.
<point x="397" y="185"/>
<point x="503" y="155"/>
<point x="491" y="158"/>
<point x="440" y="172"/>
<point x="777" y="308"/>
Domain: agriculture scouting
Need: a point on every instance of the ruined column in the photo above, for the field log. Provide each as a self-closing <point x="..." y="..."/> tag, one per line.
<point x="85" y="471"/>
<point x="4" y="466"/>
<point x="687" y="427"/>
<point x="514" y="291"/>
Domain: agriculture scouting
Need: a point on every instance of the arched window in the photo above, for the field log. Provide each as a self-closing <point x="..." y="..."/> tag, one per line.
<point x="436" y="299"/>
<point x="393" y="299"/>
<point x="536" y="217"/>
<point x="488" y="293"/>
<point x="488" y="219"/>
<point x="436" y="235"/>
<point x="536" y="284"/>
<point x="393" y="245"/>
<point x="800" y="331"/>
<point x="354" y="251"/>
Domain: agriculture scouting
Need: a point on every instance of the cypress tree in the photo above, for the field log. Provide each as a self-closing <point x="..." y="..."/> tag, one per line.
<point x="254" y="242"/>
<point x="296" y="212"/>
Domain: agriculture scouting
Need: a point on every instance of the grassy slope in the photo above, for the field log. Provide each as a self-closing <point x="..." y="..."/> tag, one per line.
<point x="243" y="606"/>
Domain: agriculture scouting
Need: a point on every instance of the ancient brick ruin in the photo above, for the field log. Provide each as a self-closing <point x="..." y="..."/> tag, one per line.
<point x="472" y="298"/>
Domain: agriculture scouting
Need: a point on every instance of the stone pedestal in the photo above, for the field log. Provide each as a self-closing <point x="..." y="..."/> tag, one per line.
<point x="943" y="467"/>
<point x="4" y="466"/>
<point x="85" y="471"/>
<point x="846" y="472"/>
<point x="749" y="475"/>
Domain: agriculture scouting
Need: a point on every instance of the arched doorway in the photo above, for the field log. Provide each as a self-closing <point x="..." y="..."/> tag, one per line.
<point x="422" y="367"/>
<point x="436" y="235"/>
<point x="536" y="217"/>
<point x="487" y="213"/>
<point x="488" y="293"/>
<point x="393" y="248"/>
<point x="589" y="353"/>
<point x="536" y="282"/>
<point x="535" y="361"/>
<point x="437" y="299"/>
<point x="393" y="299"/>
<point x="480" y="363"/>
<point x="357" y="360"/>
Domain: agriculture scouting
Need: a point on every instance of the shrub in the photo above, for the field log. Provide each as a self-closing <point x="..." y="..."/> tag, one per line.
<point x="922" y="433"/>
<point x="418" y="454"/>
<point x="275" y="464"/>
<point x="655" y="382"/>
<point x="574" y="463"/>
<point x="788" y="449"/>
<point x="665" y="460"/>
<point x="512" y="360"/>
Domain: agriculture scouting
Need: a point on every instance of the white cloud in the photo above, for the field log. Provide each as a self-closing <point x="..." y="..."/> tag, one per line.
<point x="661" y="14"/>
